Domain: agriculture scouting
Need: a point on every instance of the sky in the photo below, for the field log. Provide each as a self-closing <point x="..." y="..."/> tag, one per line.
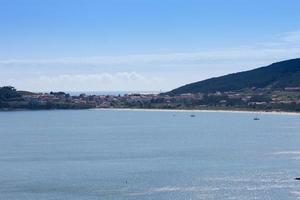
<point x="140" y="45"/>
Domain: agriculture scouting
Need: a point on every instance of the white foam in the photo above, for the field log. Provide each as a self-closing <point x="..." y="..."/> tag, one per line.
<point x="296" y="193"/>
<point x="287" y="153"/>
<point x="169" y="189"/>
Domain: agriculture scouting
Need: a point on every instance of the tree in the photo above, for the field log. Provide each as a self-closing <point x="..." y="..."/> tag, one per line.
<point x="8" y="92"/>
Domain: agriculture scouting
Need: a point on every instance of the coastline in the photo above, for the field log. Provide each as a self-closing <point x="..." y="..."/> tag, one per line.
<point x="199" y="111"/>
<point x="165" y="110"/>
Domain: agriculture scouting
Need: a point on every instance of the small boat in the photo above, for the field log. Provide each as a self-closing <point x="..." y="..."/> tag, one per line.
<point x="297" y="178"/>
<point x="256" y="118"/>
<point x="192" y="115"/>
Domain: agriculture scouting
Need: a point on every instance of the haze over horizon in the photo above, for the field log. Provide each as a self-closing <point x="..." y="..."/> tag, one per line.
<point x="140" y="45"/>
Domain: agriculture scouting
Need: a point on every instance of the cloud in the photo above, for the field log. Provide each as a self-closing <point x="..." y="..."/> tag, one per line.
<point x="286" y="46"/>
<point x="144" y="71"/>
<point x="88" y="82"/>
<point x="238" y="54"/>
<point x="292" y="37"/>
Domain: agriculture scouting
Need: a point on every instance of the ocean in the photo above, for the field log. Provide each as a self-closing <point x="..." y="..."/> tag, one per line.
<point x="148" y="155"/>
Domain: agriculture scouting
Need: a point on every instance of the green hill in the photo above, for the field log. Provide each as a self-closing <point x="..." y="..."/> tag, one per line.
<point x="276" y="76"/>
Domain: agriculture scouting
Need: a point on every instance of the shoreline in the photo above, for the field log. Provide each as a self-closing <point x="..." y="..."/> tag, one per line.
<point x="199" y="111"/>
<point x="166" y="110"/>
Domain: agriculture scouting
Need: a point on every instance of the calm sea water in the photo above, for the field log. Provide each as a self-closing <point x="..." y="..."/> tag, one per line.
<point x="143" y="155"/>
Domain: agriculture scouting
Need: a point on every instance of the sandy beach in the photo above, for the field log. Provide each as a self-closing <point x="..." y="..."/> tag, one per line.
<point x="198" y="111"/>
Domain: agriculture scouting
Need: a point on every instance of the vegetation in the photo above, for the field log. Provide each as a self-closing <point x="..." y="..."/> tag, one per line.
<point x="11" y="99"/>
<point x="9" y="93"/>
<point x="272" y="88"/>
<point x="276" y="76"/>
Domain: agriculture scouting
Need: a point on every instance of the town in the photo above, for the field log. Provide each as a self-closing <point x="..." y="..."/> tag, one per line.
<point x="251" y="99"/>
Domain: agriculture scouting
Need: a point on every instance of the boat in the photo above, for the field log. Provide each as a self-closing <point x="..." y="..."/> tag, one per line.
<point x="256" y="118"/>
<point x="193" y="115"/>
<point x="297" y="178"/>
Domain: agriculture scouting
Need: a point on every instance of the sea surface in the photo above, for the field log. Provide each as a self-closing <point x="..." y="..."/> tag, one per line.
<point x="148" y="155"/>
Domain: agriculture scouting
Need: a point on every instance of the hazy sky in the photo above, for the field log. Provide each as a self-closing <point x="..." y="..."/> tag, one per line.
<point x="85" y="45"/>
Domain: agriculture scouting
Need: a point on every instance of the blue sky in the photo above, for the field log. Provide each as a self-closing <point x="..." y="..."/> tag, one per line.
<point x="140" y="44"/>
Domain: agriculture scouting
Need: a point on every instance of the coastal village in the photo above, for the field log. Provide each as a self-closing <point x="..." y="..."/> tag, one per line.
<point x="252" y="99"/>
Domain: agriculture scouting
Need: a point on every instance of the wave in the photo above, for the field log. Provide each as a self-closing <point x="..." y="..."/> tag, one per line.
<point x="168" y="189"/>
<point x="287" y="153"/>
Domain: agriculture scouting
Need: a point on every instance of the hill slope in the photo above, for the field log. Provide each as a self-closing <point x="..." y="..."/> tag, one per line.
<point x="275" y="76"/>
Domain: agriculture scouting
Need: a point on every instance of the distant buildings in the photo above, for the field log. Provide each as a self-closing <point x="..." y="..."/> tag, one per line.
<point x="288" y="100"/>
